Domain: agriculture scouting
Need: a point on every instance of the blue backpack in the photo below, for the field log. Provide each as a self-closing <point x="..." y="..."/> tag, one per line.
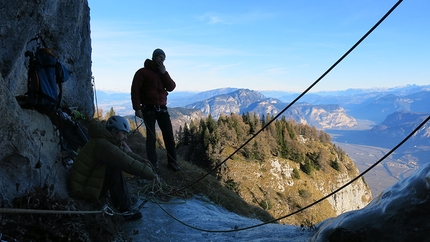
<point x="45" y="74"/>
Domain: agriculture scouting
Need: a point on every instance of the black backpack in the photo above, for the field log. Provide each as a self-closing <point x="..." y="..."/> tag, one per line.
<point x="45" y="74"/>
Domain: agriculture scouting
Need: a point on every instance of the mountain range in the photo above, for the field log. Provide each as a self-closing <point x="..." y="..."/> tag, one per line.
<point x="351" y="109"/>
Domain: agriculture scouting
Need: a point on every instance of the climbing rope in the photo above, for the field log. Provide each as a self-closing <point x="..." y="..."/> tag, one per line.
<point x="162" y="192"/>
<point x="137" y="126"/>
<point x="106" y="210"/>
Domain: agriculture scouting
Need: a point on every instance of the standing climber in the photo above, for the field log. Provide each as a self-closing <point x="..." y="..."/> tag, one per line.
<point x="149" y="91"/>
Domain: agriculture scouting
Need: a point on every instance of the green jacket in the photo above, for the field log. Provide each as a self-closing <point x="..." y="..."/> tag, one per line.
<point x="89" y="167"/>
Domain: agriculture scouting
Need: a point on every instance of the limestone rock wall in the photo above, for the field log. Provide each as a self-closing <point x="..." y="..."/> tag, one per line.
<point x="355" y="196"/>
<point x="29" y="148"/>
<point x="65" y="28"/>
<point x="274" y="183"/>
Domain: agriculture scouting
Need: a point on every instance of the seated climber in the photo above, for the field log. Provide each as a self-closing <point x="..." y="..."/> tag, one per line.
<point x="99" y="166"/>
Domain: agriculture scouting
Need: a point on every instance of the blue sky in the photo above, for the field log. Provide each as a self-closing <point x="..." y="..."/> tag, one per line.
<point x="262" y="45"/>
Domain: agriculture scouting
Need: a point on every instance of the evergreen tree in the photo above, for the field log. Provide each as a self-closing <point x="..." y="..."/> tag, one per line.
<point x="207" y="142"/>
<point x="110" y="113"/>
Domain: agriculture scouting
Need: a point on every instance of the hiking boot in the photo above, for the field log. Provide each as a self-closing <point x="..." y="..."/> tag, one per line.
<point x="173" y="166"/>
<point x="131" y="215"/>
<point x="133" y="199"/>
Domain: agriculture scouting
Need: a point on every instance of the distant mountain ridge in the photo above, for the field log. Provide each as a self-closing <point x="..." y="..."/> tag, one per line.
<point x="326" y="110"/>
<point x="244" y="100"/>
<point x="233" y="102"/>
<point x="400" y="124"/>
<point x="379" y="108"/>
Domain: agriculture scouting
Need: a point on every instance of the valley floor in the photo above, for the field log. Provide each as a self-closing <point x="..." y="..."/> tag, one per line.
<point x="385" y="174"/>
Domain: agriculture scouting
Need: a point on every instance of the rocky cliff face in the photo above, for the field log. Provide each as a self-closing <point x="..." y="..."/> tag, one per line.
<point x="322" y="116"/>
<point x="353" y="197"/>
<point x="29" y="149"/>
<point x="273" y="186"/>
<point x="64" y="26"/>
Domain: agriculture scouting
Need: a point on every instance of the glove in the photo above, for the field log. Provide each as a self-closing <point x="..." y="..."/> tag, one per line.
<point x="139" y="113"/>
<point x="162" y="68"/>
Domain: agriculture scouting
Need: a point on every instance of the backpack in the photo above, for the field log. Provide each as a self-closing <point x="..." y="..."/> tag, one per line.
<point x="45" y="73"/>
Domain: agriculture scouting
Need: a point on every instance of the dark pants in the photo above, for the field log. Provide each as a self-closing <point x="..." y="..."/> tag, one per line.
<point x="159" y="114"/>
<point x="116" y="184"/>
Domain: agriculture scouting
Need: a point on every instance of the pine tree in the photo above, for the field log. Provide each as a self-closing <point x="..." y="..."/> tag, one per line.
<point x="110" y="113"/>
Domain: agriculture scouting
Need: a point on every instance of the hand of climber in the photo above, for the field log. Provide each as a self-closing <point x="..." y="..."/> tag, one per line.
<point x="162" y="68"/>
<point x="125" y="146"/>
<point x="139" y="113"/>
